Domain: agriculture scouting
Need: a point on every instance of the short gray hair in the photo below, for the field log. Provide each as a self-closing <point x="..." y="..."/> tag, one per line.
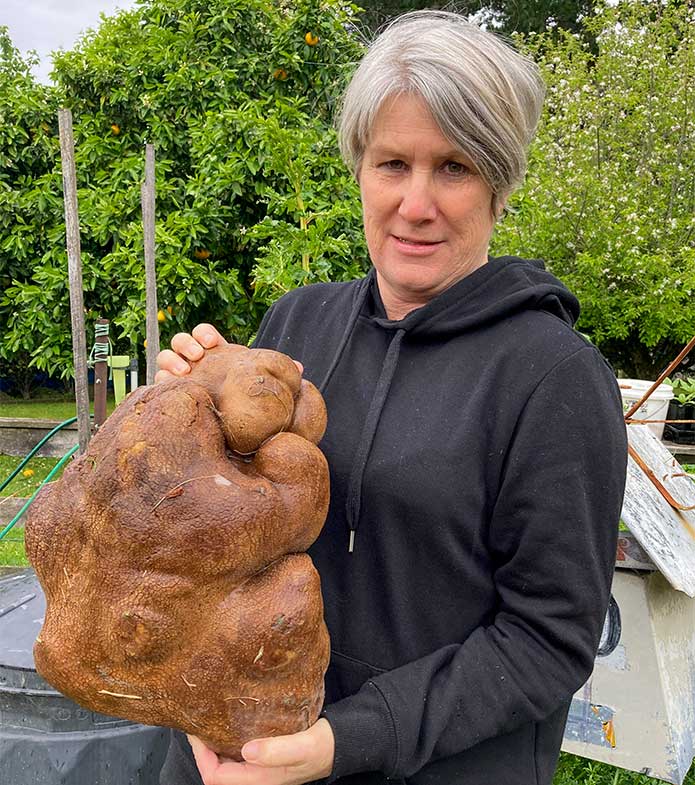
<point x="485" y="96"/>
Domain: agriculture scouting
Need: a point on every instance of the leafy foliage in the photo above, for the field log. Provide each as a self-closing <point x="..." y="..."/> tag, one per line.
<point x="683" y="388"/>
<point x="28" y="147"/>
<point x="505" y="16"/>
<point x="610" y="196"/>
<point x="252" y="199"/>
<point x="238" y="97"/>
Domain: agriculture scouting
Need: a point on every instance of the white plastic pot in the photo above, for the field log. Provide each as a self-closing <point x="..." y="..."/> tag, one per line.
<point x="654" y="408"/>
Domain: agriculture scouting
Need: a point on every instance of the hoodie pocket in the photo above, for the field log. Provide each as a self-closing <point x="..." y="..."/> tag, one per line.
<point x="346" y="675"/>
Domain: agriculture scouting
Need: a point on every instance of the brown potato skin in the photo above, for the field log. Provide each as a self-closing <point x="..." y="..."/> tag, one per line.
<point x="171" y="555"/>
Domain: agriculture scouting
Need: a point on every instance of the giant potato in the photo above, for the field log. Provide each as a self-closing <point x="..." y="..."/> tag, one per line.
<point x="171" y="555"/>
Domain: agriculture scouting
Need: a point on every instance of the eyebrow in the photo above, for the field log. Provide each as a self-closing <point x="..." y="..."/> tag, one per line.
<point x="390" y="152"/>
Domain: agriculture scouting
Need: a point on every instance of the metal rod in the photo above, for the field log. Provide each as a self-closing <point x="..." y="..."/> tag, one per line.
<point x="635" y="406"/>
<point x="72" y="236"/>
<point x="148" y="208"/>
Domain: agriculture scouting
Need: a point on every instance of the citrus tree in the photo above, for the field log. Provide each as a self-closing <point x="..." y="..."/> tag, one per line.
<point x="238" y="98"/>
<point x="27" y="155"/>
<point x="609" y="201"/>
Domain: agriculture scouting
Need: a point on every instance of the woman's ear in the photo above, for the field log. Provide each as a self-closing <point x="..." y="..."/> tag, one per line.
<point x="499" y="206"/>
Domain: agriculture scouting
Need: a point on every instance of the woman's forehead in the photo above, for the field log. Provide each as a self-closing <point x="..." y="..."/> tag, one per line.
<point x="404" y="123"/>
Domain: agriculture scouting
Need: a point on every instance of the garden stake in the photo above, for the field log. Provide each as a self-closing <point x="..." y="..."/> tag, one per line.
<point x="147" y="193"/>
<point x="72" y="235"/>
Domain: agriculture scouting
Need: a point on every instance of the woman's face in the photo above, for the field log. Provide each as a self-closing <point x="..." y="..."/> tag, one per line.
<point x="427" y="214"/>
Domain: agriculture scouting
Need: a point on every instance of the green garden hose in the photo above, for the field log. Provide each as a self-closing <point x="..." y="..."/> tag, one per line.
<point x="26" y="460"/>
<point x="60" y="463"/>
<point x="34" y="451"/>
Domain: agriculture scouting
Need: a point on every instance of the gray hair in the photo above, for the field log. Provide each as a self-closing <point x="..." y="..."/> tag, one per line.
<point x="483" y="94"/>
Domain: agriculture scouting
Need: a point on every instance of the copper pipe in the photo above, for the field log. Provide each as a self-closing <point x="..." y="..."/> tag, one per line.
<point x="656" y="482"/>
<point x="674" y="364"/>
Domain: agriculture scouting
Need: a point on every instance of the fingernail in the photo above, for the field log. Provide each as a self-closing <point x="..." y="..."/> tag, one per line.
<point x="208" y="338"/>
<point x="250" y="751"/>
<point x="180" y="367"/>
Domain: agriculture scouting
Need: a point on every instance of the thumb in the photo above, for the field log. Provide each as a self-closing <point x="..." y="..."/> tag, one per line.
<point x="206" y="760"/>
<point x="276" y="751"/>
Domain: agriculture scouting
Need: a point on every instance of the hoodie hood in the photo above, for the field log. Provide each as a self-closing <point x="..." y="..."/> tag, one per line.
<point x="504" y="286"/>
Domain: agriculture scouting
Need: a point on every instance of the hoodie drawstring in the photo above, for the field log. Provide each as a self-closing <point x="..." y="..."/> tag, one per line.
<point x="354" y="493"/>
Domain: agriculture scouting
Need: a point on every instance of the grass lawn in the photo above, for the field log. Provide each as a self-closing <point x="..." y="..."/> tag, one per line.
<point x="12" y="548"/>
<point x="29" y="479"/>
<point x="573" y="770"/>
<point x="46" y="409"/>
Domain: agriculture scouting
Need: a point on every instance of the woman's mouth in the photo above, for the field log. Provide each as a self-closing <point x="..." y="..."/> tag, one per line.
<point x="412" y="245"/>
<point x="416" y="242"/>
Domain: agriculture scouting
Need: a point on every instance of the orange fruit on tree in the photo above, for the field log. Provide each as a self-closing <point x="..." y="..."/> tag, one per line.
<point x="201" y="253"/>
<point x="310" y="39"/>
<point x="170" y="310"/>
<point x="280" y="74"/>
<point x="161" y="316"/>
<point x="115" y="129"/>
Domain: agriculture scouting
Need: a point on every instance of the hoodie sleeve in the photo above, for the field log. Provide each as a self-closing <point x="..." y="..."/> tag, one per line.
<point x="552" y="539"/>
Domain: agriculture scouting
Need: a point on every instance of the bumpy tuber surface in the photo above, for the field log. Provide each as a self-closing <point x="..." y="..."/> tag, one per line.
<point x="171" y="555"/>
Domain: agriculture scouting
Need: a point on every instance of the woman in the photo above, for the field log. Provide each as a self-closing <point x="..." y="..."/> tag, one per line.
<point x="475" y="440"/>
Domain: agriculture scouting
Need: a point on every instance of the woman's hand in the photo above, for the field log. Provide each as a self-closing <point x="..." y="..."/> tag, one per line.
<point x="282" y="760"/>
<point x="186" y="347"/>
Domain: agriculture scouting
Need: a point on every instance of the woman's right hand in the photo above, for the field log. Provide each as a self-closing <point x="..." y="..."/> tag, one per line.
<point x="174" y="362"/>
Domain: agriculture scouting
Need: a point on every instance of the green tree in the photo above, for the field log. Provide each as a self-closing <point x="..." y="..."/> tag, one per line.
<point x="609" y="201"/>
<point x="238" y="98"/>
<point x="504" y="16"/>
<point x="535" y="16"/>
<point x="28" y="147"/>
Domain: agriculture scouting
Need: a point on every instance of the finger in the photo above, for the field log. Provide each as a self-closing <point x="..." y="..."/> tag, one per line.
<point x="208" y="336"/>
<point x="187" y="346"/>
<point x="173" y="363"/>
<point x="206" y="760"/>
<point x="163" y="376"/>
<point x="299" y="366"/>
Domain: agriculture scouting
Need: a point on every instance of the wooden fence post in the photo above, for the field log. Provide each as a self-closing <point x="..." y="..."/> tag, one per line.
<point x="72" y="236"/>
<point x="147" y="193"/>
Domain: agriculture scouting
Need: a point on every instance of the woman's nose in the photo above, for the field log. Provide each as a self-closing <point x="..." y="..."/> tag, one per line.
<point x="418" y="202"/>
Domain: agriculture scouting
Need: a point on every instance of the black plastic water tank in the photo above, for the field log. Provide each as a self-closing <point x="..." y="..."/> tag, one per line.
<point x="45" y="738"/>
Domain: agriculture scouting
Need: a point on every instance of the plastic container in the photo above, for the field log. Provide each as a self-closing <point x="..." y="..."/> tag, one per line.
<point x="45" y="738"/>
<point x="654" y="408"/>
<point x="680" y="432"/>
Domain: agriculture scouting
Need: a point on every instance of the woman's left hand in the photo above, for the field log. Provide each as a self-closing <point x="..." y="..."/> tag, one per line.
<point x="282" y="760"/>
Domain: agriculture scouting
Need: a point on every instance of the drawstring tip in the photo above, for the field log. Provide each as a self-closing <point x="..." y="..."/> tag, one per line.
<point x="351" y="545"/>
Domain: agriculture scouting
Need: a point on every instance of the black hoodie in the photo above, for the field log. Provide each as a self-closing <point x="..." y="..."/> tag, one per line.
<point x="477" y="454"/>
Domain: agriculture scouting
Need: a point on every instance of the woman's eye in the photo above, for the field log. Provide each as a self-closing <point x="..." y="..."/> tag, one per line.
<point x="394" y="165"/>
<point x="455" y="168"/>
